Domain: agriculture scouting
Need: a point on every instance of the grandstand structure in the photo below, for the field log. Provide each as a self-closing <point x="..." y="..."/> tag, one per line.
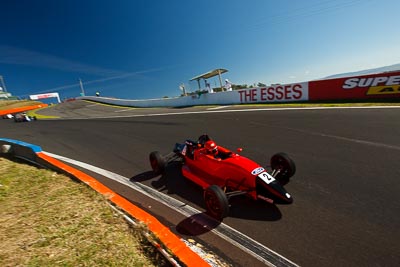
<point x="3" y="90"/>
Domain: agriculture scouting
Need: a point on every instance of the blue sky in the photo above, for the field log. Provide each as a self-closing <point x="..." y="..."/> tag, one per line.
<point x="145" y="49"/>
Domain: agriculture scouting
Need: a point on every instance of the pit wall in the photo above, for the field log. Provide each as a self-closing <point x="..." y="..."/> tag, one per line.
<point x="361" y="87"/>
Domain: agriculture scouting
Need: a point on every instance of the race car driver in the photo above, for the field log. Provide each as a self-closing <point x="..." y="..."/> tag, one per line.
<point x="211" y="148"/>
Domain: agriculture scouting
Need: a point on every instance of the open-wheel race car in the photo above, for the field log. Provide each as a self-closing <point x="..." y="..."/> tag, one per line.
<point x="224" y="174"/>
<point x="22" y="117"/>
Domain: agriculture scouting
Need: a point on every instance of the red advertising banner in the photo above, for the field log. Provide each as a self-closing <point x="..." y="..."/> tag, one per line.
<point x="383" y="85"/>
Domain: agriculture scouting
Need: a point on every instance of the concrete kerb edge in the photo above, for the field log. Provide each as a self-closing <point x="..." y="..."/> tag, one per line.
<point x="33" y="154"/>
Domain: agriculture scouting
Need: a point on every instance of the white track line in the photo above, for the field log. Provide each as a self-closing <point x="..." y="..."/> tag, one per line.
<point x="247" y="244"/>
<point x="215" y="108"/>
<point x="123" y="110"/>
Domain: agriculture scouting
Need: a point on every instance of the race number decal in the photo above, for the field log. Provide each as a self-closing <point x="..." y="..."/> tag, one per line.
<point x="266" y="177"/>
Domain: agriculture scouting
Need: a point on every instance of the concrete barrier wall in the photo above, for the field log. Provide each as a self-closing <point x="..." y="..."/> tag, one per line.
<point x="277" y="93"/>
<point x="223" y="98"/>
<point x="360" y="87"/>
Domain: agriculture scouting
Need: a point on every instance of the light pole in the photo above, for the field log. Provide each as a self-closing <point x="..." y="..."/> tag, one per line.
<point x="3" y="84"/>
<point x="82" y="91"/>
<point x="183" y="89"/>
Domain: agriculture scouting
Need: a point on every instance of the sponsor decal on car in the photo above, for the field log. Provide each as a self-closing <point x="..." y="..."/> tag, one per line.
<point x="376" y="85"/>
<point x="257" y="170"/>
<point x="265" y="199"/>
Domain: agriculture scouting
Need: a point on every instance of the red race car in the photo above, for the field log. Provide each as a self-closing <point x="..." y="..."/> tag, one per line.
<point x="224" y="174"/>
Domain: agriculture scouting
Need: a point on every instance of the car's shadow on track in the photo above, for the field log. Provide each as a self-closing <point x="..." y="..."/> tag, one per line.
<point x="173" y="183"/>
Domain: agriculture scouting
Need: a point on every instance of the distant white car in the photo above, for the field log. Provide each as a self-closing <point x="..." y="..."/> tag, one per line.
<point x="22" y="117"/>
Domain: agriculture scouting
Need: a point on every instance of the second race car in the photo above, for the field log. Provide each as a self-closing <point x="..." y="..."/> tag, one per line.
<point x="22" y="117"/>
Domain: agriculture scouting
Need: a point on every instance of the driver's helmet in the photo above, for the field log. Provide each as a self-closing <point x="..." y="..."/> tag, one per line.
<point x="211" y="147"/>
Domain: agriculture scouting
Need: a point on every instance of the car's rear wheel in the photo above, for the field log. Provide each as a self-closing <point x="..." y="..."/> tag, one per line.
<point x="283" y="167"/>
<point x="157" y="162"/>
<point x="216" y="201"/>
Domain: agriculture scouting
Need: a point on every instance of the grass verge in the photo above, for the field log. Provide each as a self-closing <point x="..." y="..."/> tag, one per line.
<point x="47" y="219"/>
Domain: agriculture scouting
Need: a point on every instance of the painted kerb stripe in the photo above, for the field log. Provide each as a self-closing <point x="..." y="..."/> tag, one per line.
<point x="169" y="239"/>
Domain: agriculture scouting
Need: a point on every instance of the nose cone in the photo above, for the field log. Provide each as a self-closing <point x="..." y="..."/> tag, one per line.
<point x="288" y="198"/>
<point x="281" y="195"/>
<point x="274" y="190"/>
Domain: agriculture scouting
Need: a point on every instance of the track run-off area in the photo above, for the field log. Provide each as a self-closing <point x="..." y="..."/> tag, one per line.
<point x="346" y="210"/>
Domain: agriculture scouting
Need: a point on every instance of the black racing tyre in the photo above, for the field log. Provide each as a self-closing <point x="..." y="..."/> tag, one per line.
<point x="283" y="163"/>
<point x="157" y="162"/>
<point x="216" y="201"/>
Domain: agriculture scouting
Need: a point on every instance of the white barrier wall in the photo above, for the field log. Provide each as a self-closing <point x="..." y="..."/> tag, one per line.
<point x="4" y="95"/>
<point x="277" y="93"/>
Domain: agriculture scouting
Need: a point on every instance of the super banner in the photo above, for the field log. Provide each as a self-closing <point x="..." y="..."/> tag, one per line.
<point x="383" y="85"/>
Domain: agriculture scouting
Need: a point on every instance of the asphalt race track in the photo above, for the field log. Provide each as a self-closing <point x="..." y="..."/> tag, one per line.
<point x="346" y="209"/>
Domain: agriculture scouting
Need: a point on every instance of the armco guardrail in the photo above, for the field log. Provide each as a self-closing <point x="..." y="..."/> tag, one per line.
<point x="173" y="243"/>
<point x="362" y="87"/>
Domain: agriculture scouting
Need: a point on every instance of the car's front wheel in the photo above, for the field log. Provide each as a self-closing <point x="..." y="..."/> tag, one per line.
<point x="216" y="201"/>
<point x="283" y="167"/>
